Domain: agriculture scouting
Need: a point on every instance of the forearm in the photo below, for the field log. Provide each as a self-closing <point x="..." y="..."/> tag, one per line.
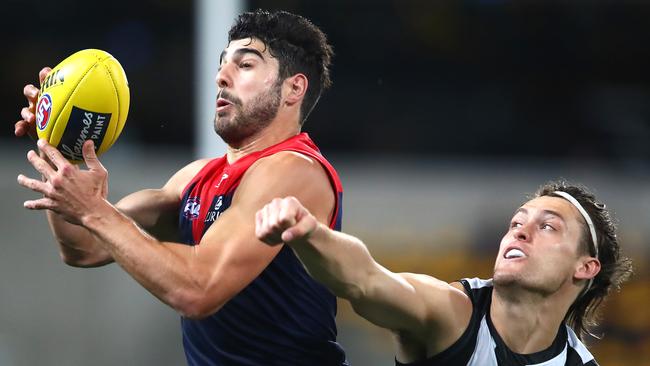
<point x="343" y="264"/>
<point x="339" y="261"/>
<point x="77" y="246"/>
<point x="161" y="267"/>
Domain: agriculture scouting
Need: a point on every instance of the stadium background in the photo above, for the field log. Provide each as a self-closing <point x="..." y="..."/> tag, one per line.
<point x="443" y="116"/>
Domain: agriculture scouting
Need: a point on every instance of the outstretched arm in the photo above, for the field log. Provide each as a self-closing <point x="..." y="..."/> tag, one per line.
<point x="194" y="280"/>
<point x="152" y="209"/>
<point x="415" y="305"/>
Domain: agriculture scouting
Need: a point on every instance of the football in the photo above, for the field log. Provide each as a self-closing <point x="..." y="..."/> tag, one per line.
<point x="85" y="97"/>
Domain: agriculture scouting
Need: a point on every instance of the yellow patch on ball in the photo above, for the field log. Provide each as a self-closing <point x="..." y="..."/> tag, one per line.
<point x="85" y="97"/>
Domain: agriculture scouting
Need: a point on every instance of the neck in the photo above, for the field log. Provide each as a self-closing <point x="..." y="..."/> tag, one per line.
<point x="269" y="136"/>
<point x="527" y="322"/>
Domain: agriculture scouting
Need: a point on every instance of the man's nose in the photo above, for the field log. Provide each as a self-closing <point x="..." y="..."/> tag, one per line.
<point x="522" y="233"/>
<point x="223" y="77"/>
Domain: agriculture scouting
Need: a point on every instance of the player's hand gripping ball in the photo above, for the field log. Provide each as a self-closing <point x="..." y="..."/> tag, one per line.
<point x="85" y="97"/>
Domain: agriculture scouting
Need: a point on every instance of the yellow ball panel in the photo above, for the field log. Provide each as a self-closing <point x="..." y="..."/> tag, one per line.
<point x="85" y="97"/>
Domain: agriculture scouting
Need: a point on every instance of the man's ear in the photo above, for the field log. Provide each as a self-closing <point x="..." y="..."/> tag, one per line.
<point x="587" y="269"/>
<point x="295" y="88"/>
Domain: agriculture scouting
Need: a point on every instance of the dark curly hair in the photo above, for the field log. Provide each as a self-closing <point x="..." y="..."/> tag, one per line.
<point x="299" y="46"/>
<point x="614" y="268"/>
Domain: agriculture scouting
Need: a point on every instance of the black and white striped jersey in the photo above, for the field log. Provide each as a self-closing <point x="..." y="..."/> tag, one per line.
<point x="481" y="345"/>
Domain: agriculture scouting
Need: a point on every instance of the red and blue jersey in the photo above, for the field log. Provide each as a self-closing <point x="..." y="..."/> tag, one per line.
<point x="283" y="317"/>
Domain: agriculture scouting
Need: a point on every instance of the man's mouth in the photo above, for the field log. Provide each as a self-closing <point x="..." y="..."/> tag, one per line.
<point x="514" y="253"/>
<point x="223" y="104"/>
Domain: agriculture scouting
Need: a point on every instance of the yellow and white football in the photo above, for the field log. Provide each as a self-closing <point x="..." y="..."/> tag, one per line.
<point x="85" y="97"/>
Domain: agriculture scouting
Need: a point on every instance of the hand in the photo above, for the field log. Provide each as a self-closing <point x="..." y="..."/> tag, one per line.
<point x="67" y="190"/>
<point x="284" y="220"/>
<point x="27" y="125"/>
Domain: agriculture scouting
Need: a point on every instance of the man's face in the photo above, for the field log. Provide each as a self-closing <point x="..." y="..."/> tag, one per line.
<point x="540" y="250"/>
<point x="249" y="93"/>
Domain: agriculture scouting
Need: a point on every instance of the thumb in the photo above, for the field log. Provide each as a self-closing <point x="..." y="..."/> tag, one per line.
<point x="43" y="73"/>
<point x="301" y="230"/>
<point x="90" y="157"/>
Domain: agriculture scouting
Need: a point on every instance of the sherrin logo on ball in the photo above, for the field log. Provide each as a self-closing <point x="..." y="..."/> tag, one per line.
<point x="85" y="97"/>
<point x="43" y="109"/>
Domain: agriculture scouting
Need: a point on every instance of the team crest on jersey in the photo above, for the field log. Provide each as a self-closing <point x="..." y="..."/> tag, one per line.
<point x="43" y="111"/>
<point x="192" y="208"/>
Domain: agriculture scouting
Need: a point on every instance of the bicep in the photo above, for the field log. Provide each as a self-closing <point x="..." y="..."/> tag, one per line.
<point x="230" y="257"/>
<point x="156" y="210"/>
<point x="289" y="174"/>
<point x="229" y="252"/>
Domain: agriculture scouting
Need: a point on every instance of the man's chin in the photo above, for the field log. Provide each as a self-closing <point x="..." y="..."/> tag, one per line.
<point x="222" y="125"/>
<point x="501" y="278"/>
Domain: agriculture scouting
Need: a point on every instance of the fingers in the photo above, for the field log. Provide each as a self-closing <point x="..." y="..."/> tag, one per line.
<point x="271" y="221"/>
<point x="27" y="115"/>
<point x="40" y="204"/>
<point x="302" y="229"/>
<point x="283" y="220"/>
<point x="52" y="154"/>
<point x="282" y="214"/>
<point x="40" y="165"/>
<point x="305" y="222"/>
<point x="43" y="74"/>
<point x="36" y="185"/>
<point x="31" y="93"/>
<point x="33" y="184"/>
<point x="277" y="217"/>
<point x="90" y="157"/>
<point x="20" y="128"/>
<point x="27" y="125"/>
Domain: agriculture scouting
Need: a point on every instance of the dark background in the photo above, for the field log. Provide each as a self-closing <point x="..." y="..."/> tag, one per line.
<point x="443" y="115"/>
<point x="515" y="79"/>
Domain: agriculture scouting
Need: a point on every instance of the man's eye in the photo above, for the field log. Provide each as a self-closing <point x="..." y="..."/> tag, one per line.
<point x="547" y="227"/>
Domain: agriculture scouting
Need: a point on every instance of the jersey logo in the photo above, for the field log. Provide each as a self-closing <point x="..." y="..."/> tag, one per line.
<point x="192" y="208"/>
<point x="219" y="204"/>
<point x="223" y="177"/>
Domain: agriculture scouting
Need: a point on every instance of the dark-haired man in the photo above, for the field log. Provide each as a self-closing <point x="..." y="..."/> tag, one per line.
<point x="557" y="261"/>
<point x="242" y="302"/>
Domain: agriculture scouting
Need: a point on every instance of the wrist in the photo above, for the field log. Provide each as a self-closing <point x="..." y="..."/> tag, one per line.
<point x="101" y="215"/>
<point x="317" y="232"/>
<point x="312" y="236"/>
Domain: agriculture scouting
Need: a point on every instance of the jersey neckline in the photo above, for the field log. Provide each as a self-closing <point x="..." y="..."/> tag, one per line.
<point x="505" y="354"/>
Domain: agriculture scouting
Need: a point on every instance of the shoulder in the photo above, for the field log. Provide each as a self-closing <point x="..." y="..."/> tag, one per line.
<point x="479" y="290"/>
<point x="448" y="312"/>
<point x="578" y="354"/>
<point x="289" y="160"/>
<point x="288" y="170"/>
<point x="288" y="173"/>
<point x="182" y="177"/>
<point x="439" y="294"/>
